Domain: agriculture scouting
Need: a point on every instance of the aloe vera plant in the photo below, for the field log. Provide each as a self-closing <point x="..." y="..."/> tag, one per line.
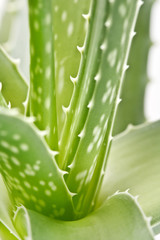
<point x="63" y="175"/>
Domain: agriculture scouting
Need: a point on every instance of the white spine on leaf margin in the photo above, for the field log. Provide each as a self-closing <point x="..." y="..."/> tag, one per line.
<point x="86" y="16"/>
<point x="81" y="49"/>
<point x="65" y="109"/>
<point x="0" y="86"/>
<point x="74" y="80"/>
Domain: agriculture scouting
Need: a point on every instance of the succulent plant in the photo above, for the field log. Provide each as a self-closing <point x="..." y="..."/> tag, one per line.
<point x="63" y="175"/>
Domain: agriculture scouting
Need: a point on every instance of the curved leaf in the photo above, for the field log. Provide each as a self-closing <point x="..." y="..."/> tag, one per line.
<point x="14" y="88"/>
<point x="134" y="163"/>
<point x="7" y="230"/>
<point x="119" y="218"/>
<point x="29" y="171"/>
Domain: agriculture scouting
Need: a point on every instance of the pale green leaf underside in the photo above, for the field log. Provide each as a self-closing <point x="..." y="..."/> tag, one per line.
<point x="29" y="170"/>
<point x="119" y="216"/>
<point x="14" y="88"/>
<point x="134" y="163"/>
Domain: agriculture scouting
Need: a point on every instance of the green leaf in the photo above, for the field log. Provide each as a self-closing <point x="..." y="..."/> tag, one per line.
<point x="134" y="163"/>
<point x="69" y="31"/>
<point x="14" y="88"/>
<point x="42" y="98"/>
<point x="7" y="230"/>
<point x="5" y="234"/>
<point x="119" y="218"/>
<point x="29" y="169"/>
<point x="136" y="78"/>
<point x="88" y="69"/>
<point x="2" y="100"/>
<point x="96" y="98"/>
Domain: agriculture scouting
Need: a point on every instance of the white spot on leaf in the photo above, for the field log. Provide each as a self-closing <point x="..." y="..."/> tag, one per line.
<point x="122" y="10"/>
<point x="112" y="57"/>
<point x="70" y="29"/>
<point x="24" y="147"/>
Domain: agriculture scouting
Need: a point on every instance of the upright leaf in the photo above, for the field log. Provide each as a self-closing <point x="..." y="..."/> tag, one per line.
<point x="131" y="109"/>
<point x="42" y="74"/>
<point x="69" y="31"/>
<point x="99" y="94"/>
<point x="88" y="70"/>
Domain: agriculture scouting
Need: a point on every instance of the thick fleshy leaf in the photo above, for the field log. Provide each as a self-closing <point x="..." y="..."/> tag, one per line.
<point x="136" y="78"/>
<point x="14" y="88"/>
<point x="69" y="32"/>
<point x="7" y="230"/>
<point x="119" y="218"/>
<point x="42" y="97"/>
<point x="134" y="163"/>
<point x="29" y="171"/>
<point x="95" y="99"/>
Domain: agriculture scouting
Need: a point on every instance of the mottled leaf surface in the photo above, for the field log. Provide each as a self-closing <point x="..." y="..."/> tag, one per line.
<point x="29" y="170"/>
<point x="89" y="160"/>
<point x="69" y="32"/>
<point x="42" y="97"/>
